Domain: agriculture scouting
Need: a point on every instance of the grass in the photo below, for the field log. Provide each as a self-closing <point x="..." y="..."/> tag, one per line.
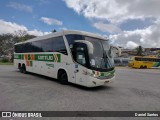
<point x="6" y="63"/>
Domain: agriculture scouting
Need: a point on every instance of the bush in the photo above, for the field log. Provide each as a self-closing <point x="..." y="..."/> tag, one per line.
<point x="4" y="60"/>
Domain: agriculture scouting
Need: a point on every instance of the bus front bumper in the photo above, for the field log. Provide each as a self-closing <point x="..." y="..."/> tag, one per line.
<point x="94" y="82"/>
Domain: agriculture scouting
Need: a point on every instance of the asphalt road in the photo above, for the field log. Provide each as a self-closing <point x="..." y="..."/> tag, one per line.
<point x="132" y="90"/>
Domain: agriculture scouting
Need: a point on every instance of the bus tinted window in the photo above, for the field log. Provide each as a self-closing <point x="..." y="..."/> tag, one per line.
<point x="37" y="46"/>
<point x="47" y="45"/>
<point x="59" y="46"/>
<point x="71" y="38"/>
<point x="147" y="59"/>
<point x="27" y="47"/>
<point x="55" y="44"/>
<point x="137" y="59"/>
<point x="18" y="48"/>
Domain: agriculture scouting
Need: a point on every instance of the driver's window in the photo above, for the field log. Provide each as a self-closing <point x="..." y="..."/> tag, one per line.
<point x="80" y="55"/>
<point x="81" y="58"/>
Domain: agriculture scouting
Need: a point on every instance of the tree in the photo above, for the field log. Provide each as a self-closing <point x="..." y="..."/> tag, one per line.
<point x="22" y="35"/>
<point x="54" y="31"/>
<point x="139" y="50"/>
<point x="7" y="41"/>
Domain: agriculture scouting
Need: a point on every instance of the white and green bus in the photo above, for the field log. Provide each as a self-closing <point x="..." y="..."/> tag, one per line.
<point x="70" y="56"/>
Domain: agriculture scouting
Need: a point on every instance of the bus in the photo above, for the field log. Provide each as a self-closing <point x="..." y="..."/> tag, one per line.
<point x="144" y="62"/>
<point x="70" y="56"/>
<point x="121" y="61"/>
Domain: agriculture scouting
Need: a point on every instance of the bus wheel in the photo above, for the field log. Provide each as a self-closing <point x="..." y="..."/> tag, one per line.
<point x="145" y="67"/>
<point x="141" y="67"/>
<point x="20" y="68"/>
<point x="62" y="77"/>
<point x="24" y="69"/>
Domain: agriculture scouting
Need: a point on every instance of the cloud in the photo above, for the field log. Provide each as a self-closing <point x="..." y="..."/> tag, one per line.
<point x="37" y="33"/>
<point x="147" y="37"/>
<point x="115" y="11"/>
<point x="20" y="7"/>
<point x="131" y="45"/>
<point x="107" y="27"/>
<point x="10" y="27"/>
<point x="51" y="21"/>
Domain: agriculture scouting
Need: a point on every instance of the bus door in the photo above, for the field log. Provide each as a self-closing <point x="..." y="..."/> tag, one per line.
<point x="80" y="56"/>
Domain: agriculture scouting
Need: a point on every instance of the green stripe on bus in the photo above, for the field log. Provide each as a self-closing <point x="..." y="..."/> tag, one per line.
<point x="104" y="73"/>
<point x="29" y="57"/>
<point x="22" y="57"/>
<point x="31" y="63"/>
<point x="59" y="57"/>
<point x="157" y="64"/>
<point x="41" y="57"/>
<point x="112" y="72"/>
<point x="107" y="73"/>
<point x="17" y="56"/>
<point x="47" y="57"/>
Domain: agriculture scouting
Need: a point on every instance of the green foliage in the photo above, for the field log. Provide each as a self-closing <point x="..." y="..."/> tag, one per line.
<point x="6" y="63"/>
<point x="4" y="60"/>
<point x="21" y="36"/>
<point x="139" y="50"/>
<point x="6" y="42"/>
<point x="54" y="31"/>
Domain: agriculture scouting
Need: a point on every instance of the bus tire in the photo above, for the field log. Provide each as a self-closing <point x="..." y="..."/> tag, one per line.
<point x="62" y="77"/>
<point x="141" y="67"/>
<point x="145" y="67"/>
<point x="24" y="69"/>
<point x="20" y="68"/>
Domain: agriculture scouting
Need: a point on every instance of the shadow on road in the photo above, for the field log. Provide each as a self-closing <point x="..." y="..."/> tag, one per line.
<point x="99" y="88"/>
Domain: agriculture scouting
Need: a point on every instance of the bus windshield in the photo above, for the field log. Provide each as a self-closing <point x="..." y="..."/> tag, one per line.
<point x="100" y="54"/>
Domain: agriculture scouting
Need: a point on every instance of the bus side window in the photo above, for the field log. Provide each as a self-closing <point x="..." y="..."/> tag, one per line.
<point x="18" y="48"/>
<point x="59" y="45"/>
<point x="47" y="45"/>
<point x="37" y="47"/>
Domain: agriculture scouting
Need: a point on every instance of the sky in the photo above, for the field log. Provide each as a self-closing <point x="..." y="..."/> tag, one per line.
<point x="126" y="23"/>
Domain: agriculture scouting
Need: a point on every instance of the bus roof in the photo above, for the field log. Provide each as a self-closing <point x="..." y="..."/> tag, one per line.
<point x="64" y="32"/>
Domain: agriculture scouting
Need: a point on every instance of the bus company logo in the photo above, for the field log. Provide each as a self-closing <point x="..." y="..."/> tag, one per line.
<point x="6" y="114"/>
<point x="55" y="58"/>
